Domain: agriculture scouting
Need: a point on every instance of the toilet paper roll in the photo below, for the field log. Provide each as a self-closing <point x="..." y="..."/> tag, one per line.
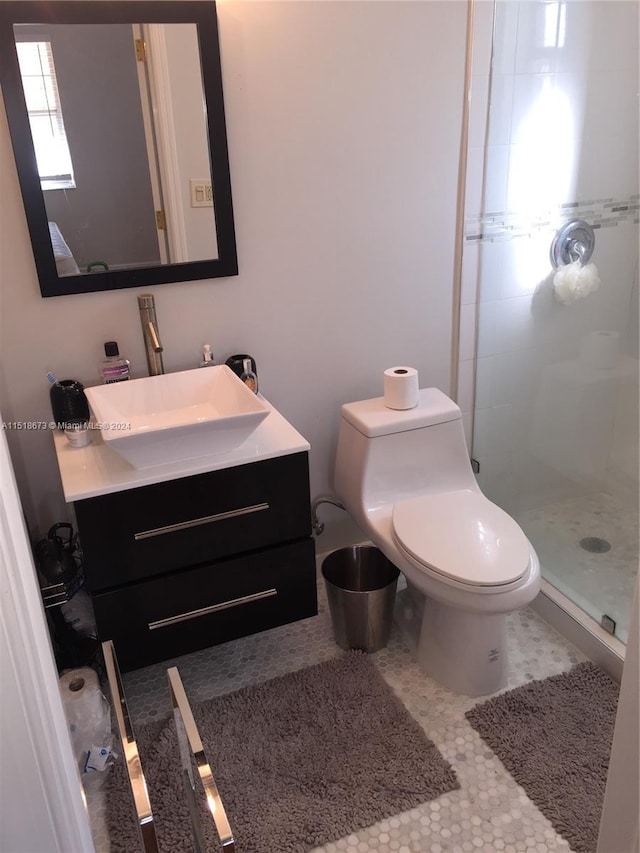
<point x="401" y="388"/>
<point x="81" y="695"/>
<point x="87" y="712"/>
<point x="599" y="349"/>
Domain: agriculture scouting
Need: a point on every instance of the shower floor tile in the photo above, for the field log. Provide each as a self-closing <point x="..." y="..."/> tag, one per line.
<point x="489" y="813"/>
<point x="599" y="583"/>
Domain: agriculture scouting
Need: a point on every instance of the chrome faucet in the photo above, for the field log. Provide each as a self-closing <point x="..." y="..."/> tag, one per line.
<point x="149" y="322"/>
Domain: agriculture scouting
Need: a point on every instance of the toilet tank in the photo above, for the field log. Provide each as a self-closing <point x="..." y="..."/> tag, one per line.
<point x="385" y="455"/>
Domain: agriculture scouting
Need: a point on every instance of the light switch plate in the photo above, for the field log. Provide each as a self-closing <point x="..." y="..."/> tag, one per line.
<point x="201" y="192"/>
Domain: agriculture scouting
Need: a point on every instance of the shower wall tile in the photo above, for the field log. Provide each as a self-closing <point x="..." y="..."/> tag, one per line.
<point x="485" y="368"/>
<point x="506" y="36"/>
<point x="478" y="110"/>
<point x="465" y="385"/>
<point x="509" y="383"/>
<point x="575" y="43"/>
<point x="482" y="35"/>
<point x="474" y="181"/>
<point x="631" y="331"/>
<point x="470" y="273"/>
<point x="486" y="186"/>
<point x="499" y="130"/>
<point x="613" y="176"/>
<point x="624" y="461"/>
<point x="530" y="91"/>
<point x="481" y="271"/>
<point x="467" y="423"/>
<point x="515" y="376"/>
<point x="495" y="181"/>
<point x="535" y="44"/>
<point x="487" y="329"/>
<point x="494" y="434"/>
<point x="525" y="264"/>
<point x="600" y="37"/>
<point x="541" y="169"/>
<point x="515" y="327"/>
<point x="490" y="270"/>
<point x="610" y="103"/>
<point x="497" y="478"/>
<point x="467" y="332"/>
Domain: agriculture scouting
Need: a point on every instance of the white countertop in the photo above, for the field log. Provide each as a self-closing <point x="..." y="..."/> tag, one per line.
<point x="87" y="472"/>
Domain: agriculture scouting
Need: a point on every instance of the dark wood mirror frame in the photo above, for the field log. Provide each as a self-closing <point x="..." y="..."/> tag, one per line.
<point x="202" y="13"/>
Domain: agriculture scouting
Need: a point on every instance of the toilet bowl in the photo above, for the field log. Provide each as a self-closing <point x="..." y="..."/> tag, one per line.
<point x="406" y="479"/>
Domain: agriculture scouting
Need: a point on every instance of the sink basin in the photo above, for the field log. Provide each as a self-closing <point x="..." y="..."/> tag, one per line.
<point x="163" y="419"/>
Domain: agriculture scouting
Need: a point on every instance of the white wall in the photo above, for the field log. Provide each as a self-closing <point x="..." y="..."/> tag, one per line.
<point x="343" y="122"/>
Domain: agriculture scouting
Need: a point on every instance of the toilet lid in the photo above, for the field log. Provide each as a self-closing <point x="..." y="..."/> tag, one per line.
<point x="463" y="536"/>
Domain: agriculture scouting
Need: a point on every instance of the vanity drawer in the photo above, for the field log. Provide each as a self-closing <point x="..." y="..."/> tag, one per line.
<point x="140" y="533"/>
<point x="159" y="619"/>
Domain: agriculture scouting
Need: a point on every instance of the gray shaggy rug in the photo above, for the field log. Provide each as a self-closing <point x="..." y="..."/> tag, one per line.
<point x="299" y="761"/>
<point x="554" y="737"/>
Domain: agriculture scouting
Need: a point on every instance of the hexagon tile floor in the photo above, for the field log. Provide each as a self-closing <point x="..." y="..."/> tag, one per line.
<point x="489" y="813"/>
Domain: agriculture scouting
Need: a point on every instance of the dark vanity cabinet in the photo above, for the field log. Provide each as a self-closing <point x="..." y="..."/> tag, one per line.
<point x="192" y="562"/>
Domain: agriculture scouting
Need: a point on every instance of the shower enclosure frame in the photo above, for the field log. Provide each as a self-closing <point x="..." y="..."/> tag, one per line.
<point x="552" y="604"/>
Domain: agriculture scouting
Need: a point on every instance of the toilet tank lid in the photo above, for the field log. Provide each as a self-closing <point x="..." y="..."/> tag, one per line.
<point x="373" y="418"/>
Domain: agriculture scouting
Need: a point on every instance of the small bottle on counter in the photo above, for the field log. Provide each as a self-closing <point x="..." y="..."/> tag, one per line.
<point x="207" y="356"/>
<point x="114" y="368"/>
<point x="248" y="376"/>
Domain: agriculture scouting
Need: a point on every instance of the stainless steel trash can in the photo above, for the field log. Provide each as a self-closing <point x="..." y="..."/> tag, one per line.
<point x="361" y="590"/>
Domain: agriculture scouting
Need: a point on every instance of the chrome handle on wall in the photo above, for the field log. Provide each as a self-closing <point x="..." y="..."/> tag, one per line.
<point x="575" y="241"/>
<point x="212" y="608"/>
<point x="197" y="522"/>
<point x="190" y="742"/>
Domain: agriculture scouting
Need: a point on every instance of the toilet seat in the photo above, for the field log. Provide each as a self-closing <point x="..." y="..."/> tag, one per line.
<point x="462" y="536"/>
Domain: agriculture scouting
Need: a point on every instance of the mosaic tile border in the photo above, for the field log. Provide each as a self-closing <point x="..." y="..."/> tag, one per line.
<point x="506" y="225"/>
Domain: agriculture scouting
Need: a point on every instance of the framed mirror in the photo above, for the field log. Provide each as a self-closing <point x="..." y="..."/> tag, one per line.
<point x="116" y="116"/>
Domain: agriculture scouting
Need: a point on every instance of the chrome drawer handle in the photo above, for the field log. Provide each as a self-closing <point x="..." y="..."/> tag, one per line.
<point x="197" y="522"/>
<point x="213" y="608"/>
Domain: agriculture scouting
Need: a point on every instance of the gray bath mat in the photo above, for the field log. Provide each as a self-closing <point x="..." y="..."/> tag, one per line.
<point x="554" y="737"/>
<point x="301" y="760"/>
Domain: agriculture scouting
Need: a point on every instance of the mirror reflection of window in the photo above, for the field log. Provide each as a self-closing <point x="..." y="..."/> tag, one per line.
<point x="45" y="114"/>
<point x="110" y="226"/>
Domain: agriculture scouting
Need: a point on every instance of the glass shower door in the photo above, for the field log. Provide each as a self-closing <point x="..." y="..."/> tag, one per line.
<point x="556" y="393"/>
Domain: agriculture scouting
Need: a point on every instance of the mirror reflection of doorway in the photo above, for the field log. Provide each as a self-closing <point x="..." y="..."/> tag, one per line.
<point x="135" y="121"/>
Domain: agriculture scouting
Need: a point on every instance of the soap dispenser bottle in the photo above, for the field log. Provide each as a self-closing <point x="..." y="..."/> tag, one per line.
<point x="248" y="376"/>
<point x="114" y="368"/>
<point x="207" y="356"/>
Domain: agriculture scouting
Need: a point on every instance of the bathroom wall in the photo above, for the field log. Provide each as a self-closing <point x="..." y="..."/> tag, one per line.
<point x="558" y="141"/>
<point x="343" y="122"/>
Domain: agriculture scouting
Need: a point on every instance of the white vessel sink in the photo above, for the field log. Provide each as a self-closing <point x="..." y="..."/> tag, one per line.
<point x="163" y="419"/>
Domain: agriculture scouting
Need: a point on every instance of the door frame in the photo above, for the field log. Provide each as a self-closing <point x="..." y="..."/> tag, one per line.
<point x="42" y="795"/>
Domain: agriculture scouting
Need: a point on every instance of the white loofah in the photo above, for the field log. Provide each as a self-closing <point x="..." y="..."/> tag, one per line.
<point x="573" y="281"/>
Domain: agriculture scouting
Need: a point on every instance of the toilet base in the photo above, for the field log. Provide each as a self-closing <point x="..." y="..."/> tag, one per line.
<point x="465" y="652"/>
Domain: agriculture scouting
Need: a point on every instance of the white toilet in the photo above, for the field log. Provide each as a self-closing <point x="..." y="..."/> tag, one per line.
<point x="406" y="479"/>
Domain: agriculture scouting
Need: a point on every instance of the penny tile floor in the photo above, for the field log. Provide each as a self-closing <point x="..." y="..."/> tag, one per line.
<point x="489" y="813"/>
<point x="598" y="582"/>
